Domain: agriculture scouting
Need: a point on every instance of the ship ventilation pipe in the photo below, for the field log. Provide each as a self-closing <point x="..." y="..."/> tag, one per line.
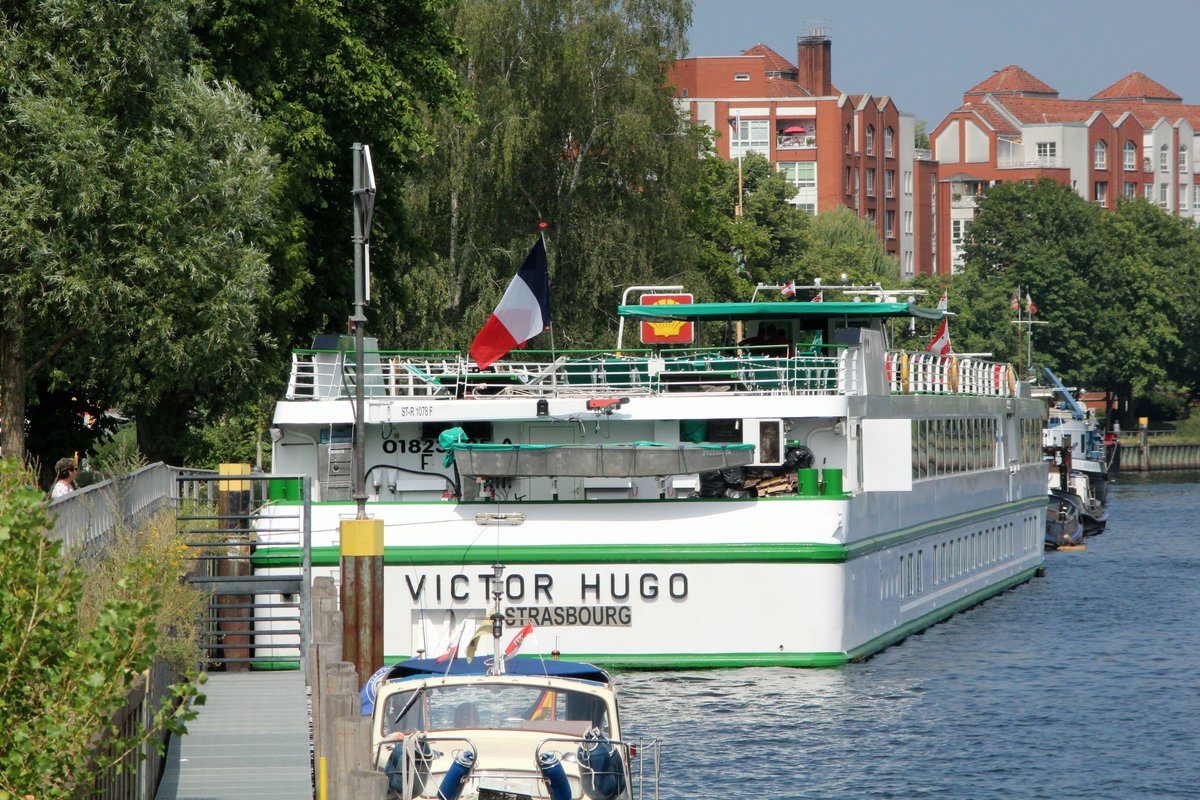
<point x="456" y="776"/>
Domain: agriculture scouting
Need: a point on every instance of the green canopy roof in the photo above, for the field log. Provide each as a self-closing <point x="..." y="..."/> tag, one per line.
<point x="776" y="311"/>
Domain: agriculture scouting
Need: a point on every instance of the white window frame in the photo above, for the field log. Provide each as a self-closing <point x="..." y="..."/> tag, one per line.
<point x="889" y="183"/>
<point x="750" y="136"/>
<point x="792" y="171"/>
<point x="1130" y="189"/>
<point x="1163" y="194"/>
<point x="870" y="140"/>
<point x="888" y="141"/>
<point x="1149" y="192"/>
<point x="741" y="77"/>
<point x="1130" y="156"/>
<point x="1196" y="197"/>
<point x="889" y="223"/>
<point x="1046" y="151"/>
<point x="870" y="181"/>
<point x="1164" y="159"/>
<point x="1183" y="158"/>
<point x="1100" y="154"/>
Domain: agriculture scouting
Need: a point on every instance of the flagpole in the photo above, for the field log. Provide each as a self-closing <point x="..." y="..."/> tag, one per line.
<point x="542" y="234"/>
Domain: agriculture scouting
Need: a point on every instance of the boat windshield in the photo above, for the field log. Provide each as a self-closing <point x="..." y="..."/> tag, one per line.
<point x="494" y="706"/>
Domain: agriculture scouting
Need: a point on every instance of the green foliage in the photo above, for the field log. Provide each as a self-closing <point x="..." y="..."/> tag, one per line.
<point x="117" y="453"/>
<point x="61" y="678"/>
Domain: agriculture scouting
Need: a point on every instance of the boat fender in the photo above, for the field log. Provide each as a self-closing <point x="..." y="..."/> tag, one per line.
<point x="601" y="770"/>
<point x="407" y="768"/>
<point x="952" y="375"/>
<point x="456" y="777"/>
<point x="904" y="373"/>
<point x="555" y="776"/>
<point x="1012" y="382"/>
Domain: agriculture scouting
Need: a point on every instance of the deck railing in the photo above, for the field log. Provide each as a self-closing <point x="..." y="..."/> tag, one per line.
<point x="771" y="369"/>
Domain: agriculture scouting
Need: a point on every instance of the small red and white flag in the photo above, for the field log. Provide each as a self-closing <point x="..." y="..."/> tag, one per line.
<point x="789" y="290"/>
<point x="941" y="340"/>
<point x="518" y="640"/>
<point x="1030" y="308"/>
<point x="452" y="644"/>
<point x="944" y="303"/>
<point x="523" y="312"/>
<point x="820" y="298"/>
<point x="1016" y="299"/>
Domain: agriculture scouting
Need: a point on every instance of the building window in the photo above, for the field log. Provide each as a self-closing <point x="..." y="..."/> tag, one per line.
<point x="742" y="76"/>
<point x="888" y="137"/>
<point x="801" y="174"/>
<point x="683" y="92"/>
<point x="908" y="222"/>
<point x="1162" y="195"/>
<point x="871" y="215"/>
<point x="1130" y="155"/>
<point x="889" y="183"/>
<point x="1046" y="151"/>
<point x="1164" y="162"/>
<point x="889" y="224"/>
<point x="1150" y="192"/>
<point x="808" y="208"/>
<point x="846" y="139"/>
<point x="957" y="227"/>
<point x="1101" y="195"/>
<point x="870" y="140"/>
<point x="870" y="181"/>
<point x="1130" y="189"/>
<point x="1183" y="196"/>
<point x="908" y="183"/>
<point x="1183" y="165"/>
<point x="1101" y="155"/>
<point x="1196" y="197"/>
<point x="750" y="135"/>
<point x="848" y="186"/>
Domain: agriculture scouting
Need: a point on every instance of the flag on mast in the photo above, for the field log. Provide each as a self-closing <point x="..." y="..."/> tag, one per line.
<point x="1016" y="299"/>
<point x="789" y="290"/>
<point x="820" y="298"/>
<point x="481" y="628"/>
<point x="940" y="343"/>
<point x="453" y="642"/>
<point x="1030" y="308"/>
<point x="943" y="304"/>
<point x="519" y="640"/>
<point x="523" y="312"/>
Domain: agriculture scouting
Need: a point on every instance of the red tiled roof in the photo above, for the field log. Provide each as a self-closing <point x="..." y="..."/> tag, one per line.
<point x="1012" y="80"/>
<point x="1033" y="110"/>
<point x="992" y="117"/>
<point x="782" y="87"/>
<point x="773" y="62"/>
<point x="1137" y="86"/>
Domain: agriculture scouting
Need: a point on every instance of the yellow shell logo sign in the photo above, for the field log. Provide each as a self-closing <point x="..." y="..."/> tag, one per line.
<point x="671" y="327"/>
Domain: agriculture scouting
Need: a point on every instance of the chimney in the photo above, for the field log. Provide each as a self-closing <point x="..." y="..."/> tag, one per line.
<point x="813" y="57"/>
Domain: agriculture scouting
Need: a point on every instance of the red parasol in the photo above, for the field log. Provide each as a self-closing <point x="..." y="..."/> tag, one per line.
<point x="795" y="129"/>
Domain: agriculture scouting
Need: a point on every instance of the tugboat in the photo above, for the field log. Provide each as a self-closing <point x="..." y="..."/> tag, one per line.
<point x="1073" y="440"/>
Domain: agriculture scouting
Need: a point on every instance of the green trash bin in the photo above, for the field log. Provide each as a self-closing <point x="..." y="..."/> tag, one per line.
<point x="831" y="481"/>
<point x="806" y="482"/>
<point x="283" y="489"/>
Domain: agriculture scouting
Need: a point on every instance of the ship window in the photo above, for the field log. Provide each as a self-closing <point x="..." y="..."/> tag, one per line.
<point x="725" y="431"/>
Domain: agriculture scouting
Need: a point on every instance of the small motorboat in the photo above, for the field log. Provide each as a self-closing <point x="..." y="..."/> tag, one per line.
<point x="1064" y="528"/>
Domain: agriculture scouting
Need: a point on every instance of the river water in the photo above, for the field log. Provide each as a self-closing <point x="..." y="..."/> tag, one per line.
<point x="1082" y="684"/>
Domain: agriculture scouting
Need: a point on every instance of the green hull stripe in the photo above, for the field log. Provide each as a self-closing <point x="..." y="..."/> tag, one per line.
<point x="695" y="553"/>
<point x="937" y="615"/>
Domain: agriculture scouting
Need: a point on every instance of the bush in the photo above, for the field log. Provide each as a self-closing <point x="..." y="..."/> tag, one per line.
<point x="66" y="666"/>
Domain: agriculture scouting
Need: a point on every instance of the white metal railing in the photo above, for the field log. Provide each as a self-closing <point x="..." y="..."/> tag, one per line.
<point x="932" y="373"/>
<point x="1018" y="163"/>
<point x="765" y="370"/>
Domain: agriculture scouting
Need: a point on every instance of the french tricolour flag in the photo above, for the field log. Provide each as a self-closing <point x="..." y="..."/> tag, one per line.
<point x="523" y="312"/>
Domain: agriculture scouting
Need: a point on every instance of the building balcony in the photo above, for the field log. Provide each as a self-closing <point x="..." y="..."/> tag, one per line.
<point x="1031" y="163"/>
<point x="801" y="142"/>
<point x="964" y="201"/>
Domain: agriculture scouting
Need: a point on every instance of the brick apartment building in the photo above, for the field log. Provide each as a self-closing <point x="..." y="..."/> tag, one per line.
<point x="839" y="150"/>
<point x="1134" y="138"/>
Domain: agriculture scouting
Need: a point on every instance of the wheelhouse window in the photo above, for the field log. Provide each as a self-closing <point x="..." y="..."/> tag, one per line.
<point x="493" y="706"/>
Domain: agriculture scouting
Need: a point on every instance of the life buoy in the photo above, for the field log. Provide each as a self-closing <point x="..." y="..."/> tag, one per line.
<point x="904" y="373"/>
<point x="952" y="375"/>
<point x="1012" y="382"/>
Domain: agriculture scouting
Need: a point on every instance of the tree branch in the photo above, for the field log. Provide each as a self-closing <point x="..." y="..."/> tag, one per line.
<point x="54" y="350"/>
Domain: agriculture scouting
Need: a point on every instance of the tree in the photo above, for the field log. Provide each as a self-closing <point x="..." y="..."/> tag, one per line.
<point x="571" y="125"/>
<point x="131" y="193"/>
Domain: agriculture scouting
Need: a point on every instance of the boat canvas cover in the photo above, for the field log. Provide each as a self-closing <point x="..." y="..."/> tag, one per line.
<point x="429" y="667"/>
<point x="636" y="459"/>
<point x="776" y="311"/>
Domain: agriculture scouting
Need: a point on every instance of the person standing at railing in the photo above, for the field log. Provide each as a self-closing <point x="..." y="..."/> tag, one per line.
<point x="64" y="470"/>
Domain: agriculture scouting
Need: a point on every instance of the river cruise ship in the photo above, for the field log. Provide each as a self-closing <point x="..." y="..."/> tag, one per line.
<point x="803" y="496"/>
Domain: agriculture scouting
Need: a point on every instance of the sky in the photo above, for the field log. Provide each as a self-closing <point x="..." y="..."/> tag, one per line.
<point x="926" y="53"/>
